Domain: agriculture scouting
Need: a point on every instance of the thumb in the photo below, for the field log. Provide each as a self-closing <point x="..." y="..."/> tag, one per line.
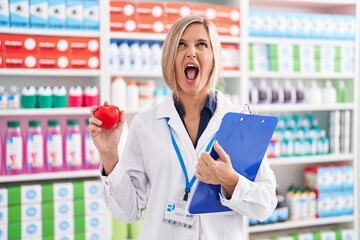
<point x="221" y="152"/>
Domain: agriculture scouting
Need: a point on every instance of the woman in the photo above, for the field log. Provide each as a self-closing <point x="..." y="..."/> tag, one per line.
<point x="148" y="175"/>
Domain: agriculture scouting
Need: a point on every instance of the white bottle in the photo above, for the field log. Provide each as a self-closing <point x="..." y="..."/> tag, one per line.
<point x="118" y="92"/>
<point x="156" y="56"/>
<point x="132" y="94"/>
<point x="264" y="92"/>
<point x="277" y="92"/>
<point x="300" y="92"/>
<point x="124" y="56"/>
<point x="135" y="55"/>
<point x="313" y="93"/>
<point x="13" y="97"/>
<point x="253" y="93"/>
<point x="289" y="92"/>
<point x="146" y="56"/>
<point x="114" y="56"/>
<point x="3" y="98"/>
<point x="328" y="93"/>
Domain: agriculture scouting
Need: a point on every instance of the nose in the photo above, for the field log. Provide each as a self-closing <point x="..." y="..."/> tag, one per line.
<point x="191" y="53"/>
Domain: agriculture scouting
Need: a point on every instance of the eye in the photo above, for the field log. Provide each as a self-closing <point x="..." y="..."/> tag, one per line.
<point x="202" y="44"/>
<point x="181" y="44"/>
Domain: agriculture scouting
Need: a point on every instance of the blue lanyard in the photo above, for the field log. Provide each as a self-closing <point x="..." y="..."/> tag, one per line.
<point x="188" y="184"/>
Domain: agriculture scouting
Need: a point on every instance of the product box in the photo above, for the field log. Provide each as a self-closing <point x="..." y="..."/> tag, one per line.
<point x="285" y="64"/>
<point x="3" y="231"/>
<point x="230" y="56"/>
<point x="93" y="189"/>
<point x="94" y="207"/>
<point x="39" y="13"/>
<point x="256" y="24"/>
<point x="3" y="197"/>
<point x="74" y="14"/>
<point x="308" y="65"/>
<point x="338" y="203"/>
<point x="20" y="61"/>
<point x="337" y="178"/>
<point x="63" y="191"/>
<point x="25" y="230"/>
<point x="52" y="45"/>
<point x="305" y="25"/>
<point x="150" y="17"/>
<point x="328" y="26"/>
<point x="204" y="10"/>
<point x="318" y="177"/>
<point x="4" y="13"/>
<point x="19" y="13"/>
<point x="347" y="178"/>
<point x="63" y="209"/>
<point x="84" y="61"/>
<point x="227" y="27"/>
<point x="123" y="16"/>
<point x="316" y="26"/>
<point x="84" y="45"/>
<point x="91" y="15"/>
<point x="53" y="61"/>
<point x="94" y="223"/>
<point x="19" y="43"/>
<point x="3" y="216"/>
<point x="228" y="13"/>
<point x="31" y="194"/>
<point x="174" y="11"/>
<point x="57" y="14"/>
<point x="348" y="202"/>
<point x="31" y="212"/>
<point x="64" y="226"/>
<point x="327" y="66"/>
<point x="281" y="25"/>
<point x="268" y="19"/>
<point x="324" y="204"/>
<point x="94" y="235"/>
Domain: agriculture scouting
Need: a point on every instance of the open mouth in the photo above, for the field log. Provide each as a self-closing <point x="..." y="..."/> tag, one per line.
<point x="191" y="71"/>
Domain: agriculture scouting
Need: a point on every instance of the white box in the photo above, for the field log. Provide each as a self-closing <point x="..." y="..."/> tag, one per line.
<point x="32" y="230"/>
<point x="3" y="197"/>
<point x="4" y="13"/>
<point x="39" y="13"/>
<point x="74" y="14"/>
<point x="57" y="14"/>
<point x="31" y="212"/>
<point x="94" y="223"/>
<point x="19" y="13"/>
<point x="91" y="15"/>
<point x="93" y="189"/>
<point x="94" y="235"/>
<point x="63" y="191"/>
<point x="64" y="226"/>
<point x="3" y="216"/>
<point x="31" y="194"/>
<point x="64" y="209"/>
<point x="3" y="232"/>
<point x="94" y="206"/>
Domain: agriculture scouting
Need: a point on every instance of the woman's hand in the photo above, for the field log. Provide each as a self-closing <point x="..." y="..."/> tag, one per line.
<point x="217" y="172"/>
<point x="106" y="140"/>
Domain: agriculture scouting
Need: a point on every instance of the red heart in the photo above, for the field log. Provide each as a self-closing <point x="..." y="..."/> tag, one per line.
<point x="108" y="114"/>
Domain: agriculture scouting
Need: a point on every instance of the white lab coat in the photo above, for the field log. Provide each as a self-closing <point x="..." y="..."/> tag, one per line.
<point x="148" y="172"/>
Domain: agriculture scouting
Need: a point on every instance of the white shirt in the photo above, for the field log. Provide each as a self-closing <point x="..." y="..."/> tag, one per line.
<point x="148" y="172"/>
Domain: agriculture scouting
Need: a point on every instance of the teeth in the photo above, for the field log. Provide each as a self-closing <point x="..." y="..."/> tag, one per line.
<point x="190" y="65"/>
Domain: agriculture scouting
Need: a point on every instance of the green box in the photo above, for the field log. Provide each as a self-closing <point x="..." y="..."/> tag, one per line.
<point x="47" y="192"/>
<point x="273" y="51"/>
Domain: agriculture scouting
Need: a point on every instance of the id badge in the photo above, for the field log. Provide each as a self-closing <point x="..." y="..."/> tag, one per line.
<point x="176" y="214"/>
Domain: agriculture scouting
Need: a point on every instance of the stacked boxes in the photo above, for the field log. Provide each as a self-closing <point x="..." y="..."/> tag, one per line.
<point x="70" y="210"/>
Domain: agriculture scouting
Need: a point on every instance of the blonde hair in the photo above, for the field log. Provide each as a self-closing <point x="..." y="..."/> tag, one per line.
<point x="170" y="46"/>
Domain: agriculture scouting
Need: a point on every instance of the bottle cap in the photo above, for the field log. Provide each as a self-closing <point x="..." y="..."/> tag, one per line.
<point x="72" y="122"/>
<point x="131" y="82"/>
<point x="53" y="123"/>
<point x="34" y="123"/>
<point x="13" y="124"/>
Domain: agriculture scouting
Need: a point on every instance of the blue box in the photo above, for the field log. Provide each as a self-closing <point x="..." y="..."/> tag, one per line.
<point x="91" y="15"/>
<point x="39" y="13"/>
<point x="19" y="13"/>
<point x="57" y="13"/>
<point x="75" y="14"/>
<point x="4" y="13"/>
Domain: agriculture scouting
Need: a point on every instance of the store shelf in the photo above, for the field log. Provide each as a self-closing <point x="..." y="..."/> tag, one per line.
<point x="313" y="4"/>
<point x="45" y="111"/>
<point x="50" y="72"/>
<point x="156" y="74"/>
<point x="49" y="176"/>
<point x="294" y="41"/>
<point x="297" y="75"/>
<point x="310" y="159"/>
<point x="301" y="224"/>
<point x="276" y="108"/>
<point x="49" y="32"/>
<point x="161" y="37"/>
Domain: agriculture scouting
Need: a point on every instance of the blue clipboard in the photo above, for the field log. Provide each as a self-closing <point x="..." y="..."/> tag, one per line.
<point x="245" y="138"/>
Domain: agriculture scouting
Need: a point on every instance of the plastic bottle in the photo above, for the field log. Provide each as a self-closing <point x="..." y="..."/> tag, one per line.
<point x="59" y="97"/>
<point x="281" y="207"/>
<point x="132" y="94"/>
<point x="28" y="97"/>
<point x="91" y="96"/>
<point x="289" y="92"/>
<point x="313" y="93"/>
<point x="118" y="92"/>
<point x="44" y="97"/>
<point x="135" y="55"/>
<point x="34" y="147"/>
<point x="13" y="97"/>
<point x="323" y="143"/>
<point x="264" y="92"/>
<point x="300" y="92"/>
<point x="75" y="96"/>
<point x="124" y="56"/>
<point x="73" y="145"/>
<point x="3" y="98"/>
<point x="341" y="92"/>
<point x="146" y="56"/>
<point x="277" y="93"/>
<point x="253" y="93"/>
<point x="14" y="157"/>
<point x="114" y="55"/>
<point x="328" y="93"/>
<point x="54" y="147"/>
<point x="156" y="56"/>
<point x="91" y="154"/>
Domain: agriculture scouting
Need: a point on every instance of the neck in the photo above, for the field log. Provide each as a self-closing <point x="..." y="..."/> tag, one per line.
<point x="193" y="104"/>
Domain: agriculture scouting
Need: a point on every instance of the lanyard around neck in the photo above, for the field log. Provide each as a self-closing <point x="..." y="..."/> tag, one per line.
<point x="188" y="184"/>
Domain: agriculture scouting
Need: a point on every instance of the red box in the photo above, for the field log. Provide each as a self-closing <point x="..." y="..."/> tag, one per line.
<point x="174" y="11"/>
<point x="53" y="45"/>
<point x="227" y="28"/>
<point x="1" y="60"/>
<point x="123" y="16"/>
<point x="54" y="61"/>
<point x="22" y="60"/>
<point x="20" y="43"/>
<point x="84" y="45"/>
<point x="150" y="17"/>
<point x="205" y="10"/>
<point x="85" y="61"/>
<point x="228" y="13"/>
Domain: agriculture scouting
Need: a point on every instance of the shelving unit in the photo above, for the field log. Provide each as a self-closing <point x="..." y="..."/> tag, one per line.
<point x="238" y="81"/>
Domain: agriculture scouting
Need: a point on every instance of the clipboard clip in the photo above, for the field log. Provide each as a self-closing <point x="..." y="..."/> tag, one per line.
<point x="247" y="110"/>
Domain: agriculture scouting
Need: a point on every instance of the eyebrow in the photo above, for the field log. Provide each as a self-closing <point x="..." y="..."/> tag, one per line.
<point x="199" y="40"/>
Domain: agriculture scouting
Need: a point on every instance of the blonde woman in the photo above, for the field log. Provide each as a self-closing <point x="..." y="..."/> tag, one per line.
<point x="165" y="149"/>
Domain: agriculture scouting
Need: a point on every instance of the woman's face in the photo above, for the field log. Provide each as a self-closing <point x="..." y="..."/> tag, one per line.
<point x="194" y="61"/>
